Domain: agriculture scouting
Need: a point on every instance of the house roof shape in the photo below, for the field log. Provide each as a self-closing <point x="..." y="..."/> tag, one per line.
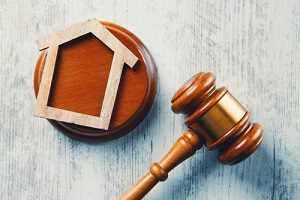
<point x="121" y="55"/>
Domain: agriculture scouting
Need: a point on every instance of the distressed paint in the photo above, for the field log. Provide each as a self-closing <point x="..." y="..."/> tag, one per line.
<point x="252" y="47"/>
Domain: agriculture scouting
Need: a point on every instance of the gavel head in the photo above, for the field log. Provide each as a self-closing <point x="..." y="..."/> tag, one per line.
<point x="218" y="118"/>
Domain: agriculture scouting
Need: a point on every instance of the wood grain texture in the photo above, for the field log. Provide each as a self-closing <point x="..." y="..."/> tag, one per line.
<point x="80" y="81"/>
<point x="121" y="56"/>
<point x="251" y="46"/>
<point x="185" y="147"/>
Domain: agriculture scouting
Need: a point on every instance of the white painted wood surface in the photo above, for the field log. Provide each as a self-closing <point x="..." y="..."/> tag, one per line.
<point x="252" y="47"/>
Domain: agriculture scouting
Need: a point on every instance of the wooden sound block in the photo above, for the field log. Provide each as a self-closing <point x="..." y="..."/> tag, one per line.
<point x="80" y="80"/>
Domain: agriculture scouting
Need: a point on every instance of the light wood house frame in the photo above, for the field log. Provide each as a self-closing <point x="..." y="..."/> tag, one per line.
<point x="121" y="55"/>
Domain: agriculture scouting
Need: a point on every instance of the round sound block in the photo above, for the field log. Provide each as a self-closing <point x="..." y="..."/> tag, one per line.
<point x="79" y="81"/>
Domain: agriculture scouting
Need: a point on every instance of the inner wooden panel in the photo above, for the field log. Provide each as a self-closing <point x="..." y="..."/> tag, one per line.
<point x="80" y="76"/>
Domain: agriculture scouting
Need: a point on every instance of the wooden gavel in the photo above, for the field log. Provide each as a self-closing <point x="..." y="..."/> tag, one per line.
<point x="216" y="119"/>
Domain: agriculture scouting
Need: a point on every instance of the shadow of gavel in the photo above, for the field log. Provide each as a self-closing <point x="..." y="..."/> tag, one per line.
<point x="216" y="119"/>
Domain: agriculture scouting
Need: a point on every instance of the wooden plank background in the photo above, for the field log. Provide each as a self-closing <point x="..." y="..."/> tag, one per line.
<point x="252" y="47"/>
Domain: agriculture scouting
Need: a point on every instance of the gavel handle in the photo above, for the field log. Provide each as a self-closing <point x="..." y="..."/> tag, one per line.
<point x="185" y="147"/>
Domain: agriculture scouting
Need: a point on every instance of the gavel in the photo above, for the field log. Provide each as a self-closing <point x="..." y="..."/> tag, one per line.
<point x="215" y="119"/>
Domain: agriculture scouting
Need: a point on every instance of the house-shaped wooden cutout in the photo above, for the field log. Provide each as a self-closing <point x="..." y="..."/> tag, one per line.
<point x="121" y="55"/>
